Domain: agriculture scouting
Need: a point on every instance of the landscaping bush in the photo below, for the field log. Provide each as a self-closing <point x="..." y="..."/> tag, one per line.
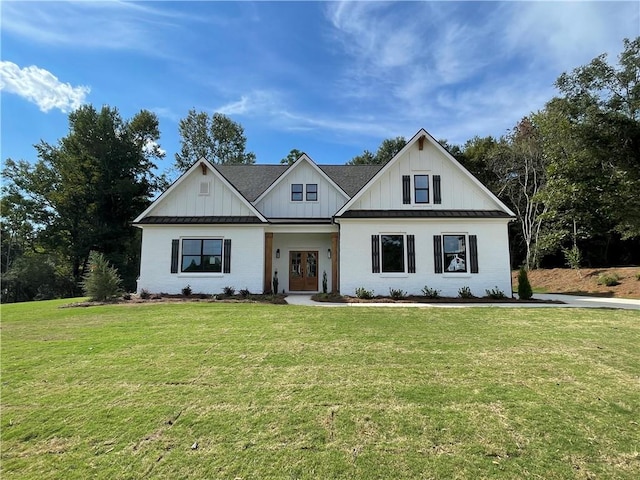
<point x="525" y="292"/>
<point x="144" y="294"/>
<point x="186" y="291"/>
<point x="430" y="292"/>
<point x="495" y="293"/>
<point x="362" y="292"/>
<point x="229" y="291"/>
<point x="244" y="293"/>
<point x="465" y="292"/>
<point x="102" y="281"/>
<point x="397" y="293"/>
<point x="609" y="279"/>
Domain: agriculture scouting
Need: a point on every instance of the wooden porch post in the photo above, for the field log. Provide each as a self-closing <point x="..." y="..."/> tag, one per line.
<point x="335" y="261"/>
<point x="268" y="262"/>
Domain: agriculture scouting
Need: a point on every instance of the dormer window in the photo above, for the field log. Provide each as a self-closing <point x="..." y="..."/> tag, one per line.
<point x="298" y="192"/>
<point x="312" y="192"/>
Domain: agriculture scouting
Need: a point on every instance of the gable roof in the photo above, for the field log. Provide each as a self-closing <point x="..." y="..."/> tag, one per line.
<point x="200" y="164"/>
<point x="304" y="158"/>
<point x="422" y="133"/>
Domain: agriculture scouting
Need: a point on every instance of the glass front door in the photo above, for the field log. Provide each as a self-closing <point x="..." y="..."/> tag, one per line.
<point x="303" y="271"/>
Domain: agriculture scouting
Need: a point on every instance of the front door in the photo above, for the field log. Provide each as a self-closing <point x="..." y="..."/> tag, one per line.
<point x="303" y="271"/>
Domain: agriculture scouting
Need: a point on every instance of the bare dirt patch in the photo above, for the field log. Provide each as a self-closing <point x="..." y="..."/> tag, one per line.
<point x="586" y="281"/>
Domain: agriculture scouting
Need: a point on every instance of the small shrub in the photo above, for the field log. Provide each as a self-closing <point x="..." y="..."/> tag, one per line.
<point x="244" y="293"/>
<point x="324" y="282"/>
<point x="126" y="296"/>
<point x="430" y="292"/>
<point x="465" y="292"/>
<point x="229" y="291"/>
<point x="102" y="281"/>
<point x="573" y="257"/>
<point x="525" y="292"/>
<point x="362" y="292"/>
<point x="609" y="279"/>
<point x="495" y="294"/>
<point x="638" y="276"/>
<point x="144" y="294"/>
<point x="275" y="283"/>
<point x="186" y="291"/>
<point x="397" y="293"/>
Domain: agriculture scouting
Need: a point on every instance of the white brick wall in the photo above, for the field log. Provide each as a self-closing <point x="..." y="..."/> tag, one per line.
<point x="493" y="256"/>
<point x="247" y="259"/>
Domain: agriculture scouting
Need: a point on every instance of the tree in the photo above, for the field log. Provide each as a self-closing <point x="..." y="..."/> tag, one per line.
<point x="84" y="191"/>
<point x="591" y="137"/>
<point x="217" y="138"/>
<point x="290" y="159"/>
<point x="386" y="151"/>
<point x="102" y="281"/>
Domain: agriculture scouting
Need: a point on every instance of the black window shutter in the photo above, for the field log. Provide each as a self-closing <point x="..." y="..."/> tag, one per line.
<point x="406" y="189"/>
<point x="437" y="253"/>
<point x="175" y="246"/>
<point x="437" y="195"/>
<point x="226" y="264"/>
<point x="375" y="253"/>
<point x="473" y="253"/>
<point x="411" y="253"/>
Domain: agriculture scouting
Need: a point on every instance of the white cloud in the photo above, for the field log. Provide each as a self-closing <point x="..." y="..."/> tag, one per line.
<point x="255" y="103"/>
<point x="41" y="87"/>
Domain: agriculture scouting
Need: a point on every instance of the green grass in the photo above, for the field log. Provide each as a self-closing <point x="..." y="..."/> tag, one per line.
<point x="285" y="392"/>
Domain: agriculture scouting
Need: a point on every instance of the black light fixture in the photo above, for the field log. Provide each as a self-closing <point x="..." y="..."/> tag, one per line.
<point x="278" y="253"/>
<point x="329" y="253"/>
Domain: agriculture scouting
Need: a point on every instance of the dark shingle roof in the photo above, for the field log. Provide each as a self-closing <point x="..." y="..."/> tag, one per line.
<point x="252" y="180"/>
<point x="425" y="214"/>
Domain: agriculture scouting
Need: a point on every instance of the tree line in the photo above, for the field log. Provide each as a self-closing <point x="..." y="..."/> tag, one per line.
<point x="570" y="172"/>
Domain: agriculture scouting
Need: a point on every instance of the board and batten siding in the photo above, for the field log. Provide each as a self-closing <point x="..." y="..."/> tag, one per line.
<point x="247" y="259"/>
<point x="187" y="198"/>
<point x="457" y="190"/>
<point x="277" y="203"/>
<point x="492" y="246"/>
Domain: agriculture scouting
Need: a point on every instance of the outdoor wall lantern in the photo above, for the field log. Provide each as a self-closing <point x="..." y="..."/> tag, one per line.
<point x="278" y="253"/>
<point x="329" y="253"/>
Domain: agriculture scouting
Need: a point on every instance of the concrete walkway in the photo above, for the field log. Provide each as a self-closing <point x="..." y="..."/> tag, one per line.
<point x="570" y="301"/>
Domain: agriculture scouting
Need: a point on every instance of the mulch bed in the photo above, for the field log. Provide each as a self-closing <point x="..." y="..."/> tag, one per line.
<point x="420" y="299"/>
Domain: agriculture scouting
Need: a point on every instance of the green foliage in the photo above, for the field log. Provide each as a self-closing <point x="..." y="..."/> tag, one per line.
<point x="387" y="150"/>
<point x="102" y="282"/>
<point x="573" y="257"/>
<point x="397" y="294"/>
<point x="638" y="276"/>
<point x="525" y="292"/>
<point x="217" y="139"/>
<point x="324" y="282"/>
<point x="465" y="292"/>
<point x="275" y="283"/>
<point x="229" y="291"/>
<point x="609" y="279"/>
<point x="245" y="293"/>
<point x="144" y="294"/>
<point x="362" y="292"/>
<point x="495" y="293"/>
<point x="186" y="291"/>
<point x="291" y="158"/>
<point x="430" y="292"/>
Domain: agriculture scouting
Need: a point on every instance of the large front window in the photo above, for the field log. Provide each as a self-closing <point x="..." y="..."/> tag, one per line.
<point x="202" y="255"/>
<point x="455" y="253"/>
<point x="392" y="253"/>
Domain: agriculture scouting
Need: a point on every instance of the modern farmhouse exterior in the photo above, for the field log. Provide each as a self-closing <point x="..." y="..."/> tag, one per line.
<point x="420" y="220"/>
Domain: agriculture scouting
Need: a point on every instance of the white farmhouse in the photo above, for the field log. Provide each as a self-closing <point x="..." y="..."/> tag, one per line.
<point x="420" y="220"/>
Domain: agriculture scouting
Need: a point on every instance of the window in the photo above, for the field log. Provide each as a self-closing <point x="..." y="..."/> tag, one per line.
<point x="312" y="192"/>
<point x="387" y="253"/>
<point x="454" y="248"/>
<point x="296" y="192"/>
<point x="421" y="188"/>
<point x="392" y="253"/>
<point x="202" y="255"/>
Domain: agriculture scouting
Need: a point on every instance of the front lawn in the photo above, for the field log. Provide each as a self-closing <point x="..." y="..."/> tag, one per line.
<point x="250" y="391"/>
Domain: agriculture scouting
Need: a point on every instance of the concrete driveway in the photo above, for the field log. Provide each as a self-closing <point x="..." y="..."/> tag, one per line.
<point x="570" y="301"/>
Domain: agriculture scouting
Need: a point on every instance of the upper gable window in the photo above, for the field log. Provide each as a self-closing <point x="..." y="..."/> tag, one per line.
<point x="312" y="192"/>
<point x="421" y="188"/>
<point x="296" y="192"/>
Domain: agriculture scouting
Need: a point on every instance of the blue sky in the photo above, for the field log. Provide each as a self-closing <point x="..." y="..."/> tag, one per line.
<point x="327" y="78"/>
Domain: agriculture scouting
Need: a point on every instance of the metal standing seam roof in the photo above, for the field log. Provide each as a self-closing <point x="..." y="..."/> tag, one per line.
<point x="425" y="214"/>
<point x="193" y="220"/>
